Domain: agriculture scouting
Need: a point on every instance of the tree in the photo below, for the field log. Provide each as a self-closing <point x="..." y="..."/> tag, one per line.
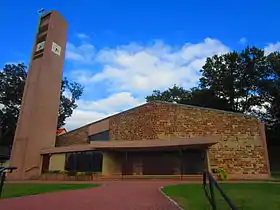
<point x="248" y="79"/>
<point x="68" y="104"/>
<point x="174" y="94"/>
<point x="236" y="81"/>
<point x="219" y="75"/>
<point x="270" y="89"/>
<point x="206" y="98"/>
<point x="195" y="96"/>
<point x="12" y="81"/>
<point x="235" y="77"/>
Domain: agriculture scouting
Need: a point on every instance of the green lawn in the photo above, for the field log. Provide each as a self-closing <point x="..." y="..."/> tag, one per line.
<point x="249" y="196"/>
<point x="275" y="175"/>
<point x="18" y="190"/>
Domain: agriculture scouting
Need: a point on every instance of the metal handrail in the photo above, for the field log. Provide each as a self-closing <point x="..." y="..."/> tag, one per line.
<point x="3" y="172"/>
<point x="211" y="197"/>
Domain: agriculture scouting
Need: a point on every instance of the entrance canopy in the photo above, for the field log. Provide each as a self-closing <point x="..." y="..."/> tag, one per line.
<point x="197" y="142"/>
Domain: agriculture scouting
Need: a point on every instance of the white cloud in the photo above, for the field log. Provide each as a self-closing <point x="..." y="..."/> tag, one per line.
<point x="135" y="70"/>
<point x="139" y="68"/>
<point x="118" y="101"/>
<point x="272" y="48"/>
<point x="81" y="54"/>
<point x="243" y="40"/>
<point x="90" y="111"/>
<point x="82" y="36"/>
<point x="262" y="109"/>
<point x="81" y="117"/>
<point x="81" y="75"/>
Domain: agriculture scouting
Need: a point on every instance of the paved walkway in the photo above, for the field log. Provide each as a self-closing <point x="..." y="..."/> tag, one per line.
<point x="114" y="195"/>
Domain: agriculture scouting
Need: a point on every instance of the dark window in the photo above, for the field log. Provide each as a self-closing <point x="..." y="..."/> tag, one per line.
<point x="41" y="38"/>
<point x="84" y="161"/>
<point x="102" y="136"/>
<point x="45" y="17"/>
<point x="46" y="163"/>
<point x="43" y="29"/>
<point x="38" y="56"/>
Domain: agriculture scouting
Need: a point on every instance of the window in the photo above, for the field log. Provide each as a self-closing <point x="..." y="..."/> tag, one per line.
<point x="45" y="17"/>
<point x="88" y="161"/>
<point x="102" y="136"/>
<point x="43" y="29"/>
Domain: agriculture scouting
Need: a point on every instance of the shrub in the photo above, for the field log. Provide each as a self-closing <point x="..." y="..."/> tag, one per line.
<point x="80" y="173"/>
<point x="64" y="172"/>
<point x="222" y="174"/>
<point x="88" y="173"/>
<point x="215" y="170"/>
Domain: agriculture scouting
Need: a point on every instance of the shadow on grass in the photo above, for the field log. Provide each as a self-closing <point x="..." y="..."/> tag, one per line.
<point x="18" y="190"/>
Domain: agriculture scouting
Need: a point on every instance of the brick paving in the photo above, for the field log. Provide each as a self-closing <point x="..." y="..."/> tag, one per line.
<point x="115" y="195"/>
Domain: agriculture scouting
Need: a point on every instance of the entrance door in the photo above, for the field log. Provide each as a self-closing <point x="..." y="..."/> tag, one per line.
<point x="193" y="162"/>
<point x="137" y="166"/>
<point x="160" y="163"/>
<point x="45" y="163"/>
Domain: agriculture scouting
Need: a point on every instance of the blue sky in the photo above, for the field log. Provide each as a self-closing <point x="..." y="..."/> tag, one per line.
<point x="122" y="50"/>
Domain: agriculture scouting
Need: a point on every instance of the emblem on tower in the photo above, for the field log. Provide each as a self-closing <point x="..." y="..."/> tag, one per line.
<point x="56" y="49"/>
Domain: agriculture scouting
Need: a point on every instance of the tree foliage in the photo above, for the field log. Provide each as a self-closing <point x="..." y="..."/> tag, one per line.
<point x="174" y="94"/>
<point x="235" y="77"/>
<point x="247" y="81"/>
<point x="68" y="104"/>
<point x="12" y="81"/>
<point x="195" y="96"/>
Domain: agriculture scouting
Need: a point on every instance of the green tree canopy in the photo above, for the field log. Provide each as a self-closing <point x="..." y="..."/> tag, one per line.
<point x="242" y="81"/>
<point x="12" y="81"/>
<point x="236" y="76"/>
<point x="195" y="96"/>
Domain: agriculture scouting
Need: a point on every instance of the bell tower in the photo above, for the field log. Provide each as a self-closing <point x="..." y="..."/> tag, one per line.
<point x="37" y="123"/>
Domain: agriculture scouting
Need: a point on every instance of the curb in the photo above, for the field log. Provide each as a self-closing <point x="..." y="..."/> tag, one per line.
<point x="170" y="199"/>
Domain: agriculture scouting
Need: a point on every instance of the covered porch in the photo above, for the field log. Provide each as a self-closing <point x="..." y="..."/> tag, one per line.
<point x="174" y="157"/>
<point x="167" y="161"/>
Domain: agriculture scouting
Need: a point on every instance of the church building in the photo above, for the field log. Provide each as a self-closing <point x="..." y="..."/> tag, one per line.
<point x="161" y="138"/>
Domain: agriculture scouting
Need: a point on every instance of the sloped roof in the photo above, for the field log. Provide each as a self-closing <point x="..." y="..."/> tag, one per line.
<point x="169" y="103"/>
<point x="60" y="131"/>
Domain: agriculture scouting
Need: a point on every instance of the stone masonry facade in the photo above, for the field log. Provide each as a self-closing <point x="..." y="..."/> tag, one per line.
<point x="240" y="150"/>
<point x="76" y="137"/>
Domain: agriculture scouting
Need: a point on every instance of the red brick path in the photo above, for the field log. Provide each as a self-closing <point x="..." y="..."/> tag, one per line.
<point x="115" y="195"/>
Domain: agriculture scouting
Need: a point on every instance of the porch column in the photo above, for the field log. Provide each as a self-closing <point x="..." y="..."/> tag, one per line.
<point x="124" y="168"/>
<point x="205" y="159"/>
<point x="75" y="162"/>
<point x="182" y="162"/>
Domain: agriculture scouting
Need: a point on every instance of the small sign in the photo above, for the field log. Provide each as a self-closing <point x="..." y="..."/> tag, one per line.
<point x="56" y="49"/>
<point x="40" y="46"/>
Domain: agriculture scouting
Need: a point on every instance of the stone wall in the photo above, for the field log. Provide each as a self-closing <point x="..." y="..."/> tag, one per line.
<point x="78" y="136"/>
<point x="135" y="124"/>
<point x="240" y="149"/>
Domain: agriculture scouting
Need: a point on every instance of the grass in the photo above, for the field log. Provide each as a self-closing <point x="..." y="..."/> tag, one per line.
<point x="275" y="175"/>
<point x="18" y="190"/>
<point x="246" y="196"/>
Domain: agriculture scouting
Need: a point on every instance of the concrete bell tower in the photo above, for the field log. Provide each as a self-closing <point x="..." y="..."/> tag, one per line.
<point x="37" y="123"/>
